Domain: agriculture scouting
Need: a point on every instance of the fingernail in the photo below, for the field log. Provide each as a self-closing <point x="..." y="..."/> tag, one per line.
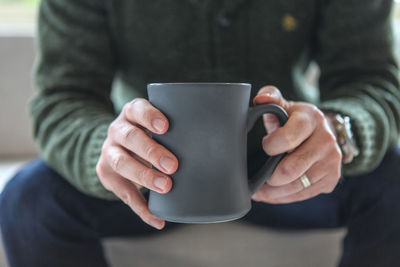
<point x="167" y="163"/>
<point x="160" y="182"/>
<point x="159" y="124"/>
<point x="156" y="223"/>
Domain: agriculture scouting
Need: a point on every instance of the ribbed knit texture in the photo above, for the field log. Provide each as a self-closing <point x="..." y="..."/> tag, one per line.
<point x="86" y="46"/>
<point x="362" y="122"/>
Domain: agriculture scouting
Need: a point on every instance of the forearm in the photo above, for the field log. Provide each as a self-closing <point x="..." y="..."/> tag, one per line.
<point x="69" y="133"/>
<point x="74" y="71"/>
<point x="375" y="129"/>
<point x="359" y="76"/>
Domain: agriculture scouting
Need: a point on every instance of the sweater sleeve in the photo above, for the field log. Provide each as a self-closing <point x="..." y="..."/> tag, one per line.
<point x="74" y="70"/>
<point x="359" y="75"/>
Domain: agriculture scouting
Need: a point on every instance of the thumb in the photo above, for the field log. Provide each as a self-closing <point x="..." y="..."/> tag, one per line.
<point x="271" y="123"/>
<point x="270" y="95"/>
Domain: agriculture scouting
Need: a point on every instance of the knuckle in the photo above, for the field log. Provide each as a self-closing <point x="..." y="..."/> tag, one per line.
<point x="112" y="129"/>
<point x="301" y="161"/>
<point x="329" y="138"/>
<point x="151" y="151"/>
<point x="140" y="209"/>
<point x="129" y="133"/>
<point x="317" y="114"/>
<point x="136" y="104"/>
<point x="135" y="107"/>
<point x="105" y="182"/>
<point x="99" y="169"/>
<point x="144" y="176"/>
<point x="117" y="162"/>
<point x="127" y="108"/>
<point x="295" y="167"/>
<point x="289" y="170"/>
<point x="126" y="198"/>
<point x="104" y="150"/>
<point x="335" y="154"/>
<point x="302" y="118"/>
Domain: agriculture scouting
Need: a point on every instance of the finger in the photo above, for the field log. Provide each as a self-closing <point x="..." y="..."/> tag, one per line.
<point x="130" y="168"/>
<point x="271" y="123"/>
<point x="301" y="124"/>
<point x="130" y="195"/>
<point x="310" y="192"/>
<point x="136" y="140"/>
<point x="141" y="111"/>
<point x="296" y="163"/>
<point x="270" y="94"/>
<point x="268" y="192"/>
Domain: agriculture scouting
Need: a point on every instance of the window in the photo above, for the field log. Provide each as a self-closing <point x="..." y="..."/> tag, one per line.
<point x="18" y="16"/>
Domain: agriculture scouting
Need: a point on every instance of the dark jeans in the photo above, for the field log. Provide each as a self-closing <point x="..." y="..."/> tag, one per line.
<point x="47" y="222"/>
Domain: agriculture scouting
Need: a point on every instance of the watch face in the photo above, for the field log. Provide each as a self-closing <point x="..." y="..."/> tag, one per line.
<point x="347" y="127"/>
<point x="345" y="138"/>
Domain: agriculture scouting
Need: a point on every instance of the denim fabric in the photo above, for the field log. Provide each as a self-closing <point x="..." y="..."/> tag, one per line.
<point x="47" y="222"/>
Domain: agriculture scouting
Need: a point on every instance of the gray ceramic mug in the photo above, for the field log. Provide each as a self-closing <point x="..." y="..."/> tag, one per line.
<point x="208" y="126"/>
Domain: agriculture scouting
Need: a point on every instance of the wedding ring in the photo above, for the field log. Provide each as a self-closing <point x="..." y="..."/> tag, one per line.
<point x="305" y="181"/>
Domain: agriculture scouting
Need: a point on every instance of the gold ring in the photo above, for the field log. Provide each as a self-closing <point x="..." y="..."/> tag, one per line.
<point x="305" y="181"/>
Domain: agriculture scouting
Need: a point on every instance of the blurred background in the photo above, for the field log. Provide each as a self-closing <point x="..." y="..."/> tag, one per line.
<point x="205" y="245"/>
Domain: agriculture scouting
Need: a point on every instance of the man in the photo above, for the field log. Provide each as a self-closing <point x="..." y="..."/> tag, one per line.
<point x="98" y="142"/>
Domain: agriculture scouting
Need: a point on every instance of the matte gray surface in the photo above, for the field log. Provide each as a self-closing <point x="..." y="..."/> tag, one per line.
<point x="233" y="244"/>
<point x="208" y="125"/>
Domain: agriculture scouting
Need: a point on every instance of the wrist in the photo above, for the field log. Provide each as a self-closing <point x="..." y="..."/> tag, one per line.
<point x="341" y="127"/>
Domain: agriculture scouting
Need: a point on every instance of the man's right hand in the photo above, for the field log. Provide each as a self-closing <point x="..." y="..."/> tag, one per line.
<point x="129" y="152"/>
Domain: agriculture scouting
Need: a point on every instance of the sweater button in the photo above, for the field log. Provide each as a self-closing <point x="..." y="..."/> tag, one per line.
<point x="223" y="21"/>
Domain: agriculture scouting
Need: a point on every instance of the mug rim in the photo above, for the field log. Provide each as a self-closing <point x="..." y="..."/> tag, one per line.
<point x="200" y="83"/>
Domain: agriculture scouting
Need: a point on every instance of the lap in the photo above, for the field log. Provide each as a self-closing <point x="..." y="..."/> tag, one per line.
<point x="40" y="211"/>
<point x="38" y="193"/>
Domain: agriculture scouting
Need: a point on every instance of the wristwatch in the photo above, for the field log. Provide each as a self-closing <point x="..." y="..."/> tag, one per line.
<point x="345" y="138"/>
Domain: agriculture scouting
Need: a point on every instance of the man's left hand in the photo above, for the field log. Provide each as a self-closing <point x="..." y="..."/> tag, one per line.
<point x="312" y="151"/>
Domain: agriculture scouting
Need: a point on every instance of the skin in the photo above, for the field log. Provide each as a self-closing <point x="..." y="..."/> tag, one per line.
<point x="129" y="152"/>
<point x="309" y="138"/>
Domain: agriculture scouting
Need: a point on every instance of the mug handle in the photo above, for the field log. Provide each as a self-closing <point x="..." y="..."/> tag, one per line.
<point x="268" y="168"/>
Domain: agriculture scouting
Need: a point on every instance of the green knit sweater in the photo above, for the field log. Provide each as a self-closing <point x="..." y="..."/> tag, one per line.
<point x="93" y="56"/>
